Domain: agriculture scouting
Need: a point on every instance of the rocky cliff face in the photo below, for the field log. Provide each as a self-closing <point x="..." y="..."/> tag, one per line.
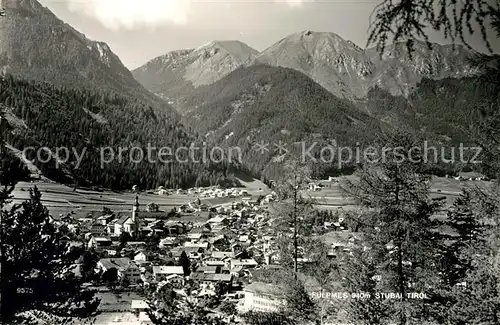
<point x="399" y="73"/>
<point x="348" y="71"/>
<point x="36" y="45"/>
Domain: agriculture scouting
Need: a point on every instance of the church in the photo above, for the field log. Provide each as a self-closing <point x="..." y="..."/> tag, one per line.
<point x="127" y="223"/>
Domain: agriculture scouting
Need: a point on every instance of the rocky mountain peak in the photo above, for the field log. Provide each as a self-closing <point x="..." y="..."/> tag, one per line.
<point x="36" y="45"/>
<point x="236" y="49"/>
<point x="347" y="70"/>
<point x="178" y="72"/>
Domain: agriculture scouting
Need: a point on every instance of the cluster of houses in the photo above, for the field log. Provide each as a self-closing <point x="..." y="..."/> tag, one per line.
<point x="470" y="176"/>
<point x="204" y="192"/>
<point x="223" y="245"/>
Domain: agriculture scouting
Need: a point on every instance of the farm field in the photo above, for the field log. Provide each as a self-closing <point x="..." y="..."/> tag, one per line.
<point x="61" y="199"/>
<point x="331" y="196"/>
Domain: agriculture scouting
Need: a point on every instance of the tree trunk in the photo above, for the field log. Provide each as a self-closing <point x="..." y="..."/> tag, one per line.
<point x="402" y="289"/>
<point x="295" y="242"/>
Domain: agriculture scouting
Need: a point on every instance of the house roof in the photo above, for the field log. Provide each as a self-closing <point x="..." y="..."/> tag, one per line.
<point x="470" y="174"/>
<point x="198" y="245"/>
<point x="168" y="270"/>
<point x="118" y="263"/>
<point x="264" y="288"/>
<point x="122" y="220"/>
<point x="136" y="243"/>
<point x="249" y="261"/>
<point x="139" y="304"/>
<point x="222" y="254"/>
<point x="102" y="239"/>
<point x="217" y="219"/>
<point x="215" y="263"/>
<point x="191" y="249"/>
<point x="167" y="241"/>
<point x="215" y="239"/>
<point x="207" y="269"/>
<point x="211" y="277"/>
<point x="237" y="269"/>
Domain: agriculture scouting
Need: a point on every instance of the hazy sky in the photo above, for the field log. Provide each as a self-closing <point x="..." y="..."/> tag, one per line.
<point x="139" y="30"/>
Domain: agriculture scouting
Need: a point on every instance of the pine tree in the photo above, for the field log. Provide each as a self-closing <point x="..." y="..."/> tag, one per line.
<point x="474" y="290"/>
<point x="400" y="237"/>
<point x="37" y="268"/>
<point x="185" y="263"/>
<point x="469" y="240"/>
<point x="292" y="209"/>
<point x="264" y="318"/>
<point x="360" y="274"/>
<point x="11" y="168"/>
<point x="168" y="307"/>
<point x="408" y="21"/>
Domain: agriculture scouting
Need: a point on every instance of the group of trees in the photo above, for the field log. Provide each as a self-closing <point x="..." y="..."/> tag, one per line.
<point x="405" y="249"/>
<point x="38" y="279"/>
<point x="94" y="122"/>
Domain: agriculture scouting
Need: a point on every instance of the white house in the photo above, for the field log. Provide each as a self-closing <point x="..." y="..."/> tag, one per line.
<point x="162" y="272"/>
<point x="99" y="242"/>
<point x="245" y="263"/>
<point x="140" y="257"/>
<point x="262" y="297"/>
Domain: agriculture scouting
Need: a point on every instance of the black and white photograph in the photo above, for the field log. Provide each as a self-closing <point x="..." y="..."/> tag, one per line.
<point x="250" y="162"/>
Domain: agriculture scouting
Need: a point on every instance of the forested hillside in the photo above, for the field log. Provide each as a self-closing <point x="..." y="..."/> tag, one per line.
<point x="446" y="113"/>
<point x="445" y="110"/>
<point x="79" y="119"/>
<point x="451" y="107"/>
<point x="270" y="104"/>
<point x="36" y="45"/>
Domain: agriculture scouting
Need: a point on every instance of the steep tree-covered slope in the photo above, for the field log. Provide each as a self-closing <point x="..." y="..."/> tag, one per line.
<point x="447" y="113"/>
<point x="268" y="104"/>
<point x="95" y="126"/>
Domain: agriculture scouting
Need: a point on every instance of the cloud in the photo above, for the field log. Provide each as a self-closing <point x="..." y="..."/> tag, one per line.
<point x="131" y="14"/>
<point x="292" y="3"/>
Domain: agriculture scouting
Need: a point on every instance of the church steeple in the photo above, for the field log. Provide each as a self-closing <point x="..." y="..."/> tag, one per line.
<point x="135" y="209"/>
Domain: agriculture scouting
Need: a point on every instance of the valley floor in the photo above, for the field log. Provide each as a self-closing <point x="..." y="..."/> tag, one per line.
<point x="61" y="199"/>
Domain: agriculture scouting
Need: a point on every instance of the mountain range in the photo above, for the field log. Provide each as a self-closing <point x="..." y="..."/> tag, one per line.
<point x="177" y="73"/>
<point x="310" y="86"/>
<point x="340" y="66"/>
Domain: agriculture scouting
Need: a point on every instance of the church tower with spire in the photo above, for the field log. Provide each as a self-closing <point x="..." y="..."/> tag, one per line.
<point x="136" y="220"/>
<point x="135" y="210"/>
